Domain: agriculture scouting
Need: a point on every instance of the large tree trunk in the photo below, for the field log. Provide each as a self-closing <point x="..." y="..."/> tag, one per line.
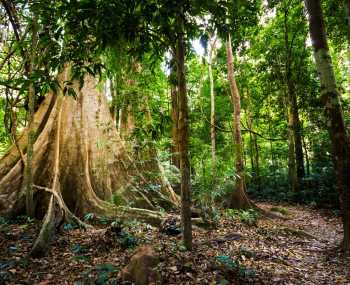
<point x="28" y="176"/>
<point x="183" y="137"/>
<point x="80" y="160"/>
<point x="239" y="197"/>
<point x="331" y="99"/>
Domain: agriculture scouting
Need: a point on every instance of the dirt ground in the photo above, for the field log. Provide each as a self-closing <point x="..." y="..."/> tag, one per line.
<point x="302" y="249"/>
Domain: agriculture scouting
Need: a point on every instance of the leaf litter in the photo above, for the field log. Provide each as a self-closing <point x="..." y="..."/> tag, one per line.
<point x="300" y="250"/>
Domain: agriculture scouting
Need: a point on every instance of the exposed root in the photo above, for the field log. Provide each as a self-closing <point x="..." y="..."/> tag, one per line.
<point x="42" y="243"/>
<point x="69" y="216"/>
<point x="299" y="233"/>
<point x="79" y="163"/>
<point x="270" y="214"/>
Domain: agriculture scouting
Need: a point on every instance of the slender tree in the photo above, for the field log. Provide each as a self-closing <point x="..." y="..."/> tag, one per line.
<point x="174" y="113"/>
<point x="212" y="47"/>
<point x="347" y="11"/>
<point x="239" y="197"/>
<point x="330" y="98"/>
<point x="182" y="134"/>
<point x="296" y="168"/>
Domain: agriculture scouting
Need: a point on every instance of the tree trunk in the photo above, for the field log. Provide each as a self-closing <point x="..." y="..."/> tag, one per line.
<point x="28" y="176"/>
<point x="78" y="157"/>
<point x="306" y="157"/>
<point x="292" y="169"/>
<point x="212" y="109"/>
<point x="182" y="133"/>
<point x="257" y="163"/>
<point x="296" y="169"/>
<point x="295" y="125"/>
<point x="331" y="99"/>
<point x="254" y="151"/>
<point x="239" y="197"/>
<point x="174" y="115"/>
<point x="347" y="11"/>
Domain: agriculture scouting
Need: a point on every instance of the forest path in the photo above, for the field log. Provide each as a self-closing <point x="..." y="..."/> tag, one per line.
<point x="271" y="251"/>
<point x="303" y="259"/>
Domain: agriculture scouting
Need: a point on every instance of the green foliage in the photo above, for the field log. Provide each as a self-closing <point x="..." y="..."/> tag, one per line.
<point x="101" y="274"/>
<point x="248" y="217"/>
<point x="89" y="217"/>
<point x="281" y="210"/>
<point x="78" y="249"/>
<point x="69" y="226"/>
<point x="234" y="265"/>
<point x="117" y="199"/>
<point x="247" y="252"/>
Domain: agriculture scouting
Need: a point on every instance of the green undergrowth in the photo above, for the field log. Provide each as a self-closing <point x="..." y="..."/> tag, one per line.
<point x="248" y="217"/>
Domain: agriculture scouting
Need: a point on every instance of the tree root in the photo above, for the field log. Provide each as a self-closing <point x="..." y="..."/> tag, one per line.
<point x="79" y="163"/>
<point x="298" y="233"/>
<point x="269" y="214"/>
<point x="42" y="243"/>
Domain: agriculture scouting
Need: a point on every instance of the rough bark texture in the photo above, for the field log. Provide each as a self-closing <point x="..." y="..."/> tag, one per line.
<point x="331" y="99"/>
<point x="183" y="138"/>
<point x="239" y="197"/>
<point x="28" y="177"/>
<point x="80" y="159"/>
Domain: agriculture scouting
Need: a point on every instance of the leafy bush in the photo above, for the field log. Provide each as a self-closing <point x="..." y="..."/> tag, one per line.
<point x="248" y="217"/>
<point x="233" y="265"/>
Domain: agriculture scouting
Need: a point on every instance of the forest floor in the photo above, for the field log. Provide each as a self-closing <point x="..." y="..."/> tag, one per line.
<point x="300" y="250"/>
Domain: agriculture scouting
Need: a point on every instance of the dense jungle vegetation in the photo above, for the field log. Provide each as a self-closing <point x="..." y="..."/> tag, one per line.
<point x="174" y="142"/>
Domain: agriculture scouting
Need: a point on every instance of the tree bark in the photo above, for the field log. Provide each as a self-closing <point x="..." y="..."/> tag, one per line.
<point x="254" y="150"/>
<point x="347" y="11"/>
<point x="292" y="168"/>
<point x="296" y="168"/>
<point x="295" y="125"/>
<point x="174" y="115"/>
<point x="80" y="159"/>
<point x="330" y="97"/>
<point x="28" y="177"/>
<point x="239" y="197"/>
<point x="306" y="157"/>
<point x="212" y="108"/>
<point x="183" y="137"/>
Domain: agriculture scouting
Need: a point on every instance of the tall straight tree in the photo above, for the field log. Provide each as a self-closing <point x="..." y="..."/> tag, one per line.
<point x="182" y="134"/>
<point x="239" y="197"/>
<point x="330" y="98"/>
<point x="174" y="113"/>
<point x="296" y="168"/>
<point x="347" y="11"/>
<point x="212" y="47"/>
